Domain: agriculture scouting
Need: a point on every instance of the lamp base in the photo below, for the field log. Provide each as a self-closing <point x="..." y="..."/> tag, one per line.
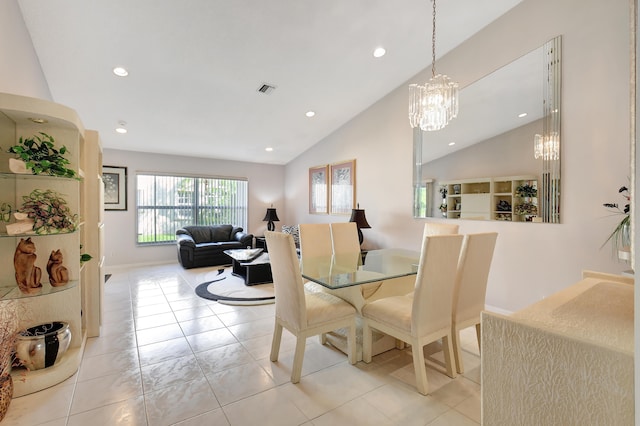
<point x="360" y="236"/>
<point x="271" y="226"/>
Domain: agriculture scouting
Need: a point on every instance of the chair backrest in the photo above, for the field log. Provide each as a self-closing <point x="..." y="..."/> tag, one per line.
<point x="344" y="238"/>
<point x="473" y="272"/>
<point x="437" y="228"/>
<point x="431" y="310"/>
<point x="287" y="280"/>
<point x="315" y="239"/>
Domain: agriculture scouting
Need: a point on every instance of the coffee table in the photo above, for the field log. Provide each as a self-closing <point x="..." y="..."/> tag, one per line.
<point x="252" y="265"/>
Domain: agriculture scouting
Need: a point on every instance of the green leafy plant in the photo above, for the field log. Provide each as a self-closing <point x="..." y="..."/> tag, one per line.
<point x="84" y="257"/>
<point x="620" y="237"/>
<point x="40" y="155"/>
<point x="526" y="190"/>
<point x="49" y="212"/>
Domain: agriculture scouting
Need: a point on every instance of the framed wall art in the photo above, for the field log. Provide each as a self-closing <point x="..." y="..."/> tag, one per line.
<point x="318" y="189"/>
<point x="115" y="187"/>
<point x="343" y="187"/>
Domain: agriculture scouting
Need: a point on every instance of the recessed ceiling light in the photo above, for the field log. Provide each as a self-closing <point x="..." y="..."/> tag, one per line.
<point x="524" y="114"/>
<point x="310" y="113"/>
<point x="120" y="72"/>
<point x="38" y="120"/>
<point x="452" y="143"/>
<point x="268" y="149"/>
<point x="379" y="52"/>
<point x="121" y="127"/>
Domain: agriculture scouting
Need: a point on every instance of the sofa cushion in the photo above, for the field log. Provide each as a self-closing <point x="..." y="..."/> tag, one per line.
<point x="200" y="234"/>
<point x="220" y="233"/>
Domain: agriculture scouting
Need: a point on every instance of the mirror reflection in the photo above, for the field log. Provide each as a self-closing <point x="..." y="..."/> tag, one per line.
<point x="484" y="164"/>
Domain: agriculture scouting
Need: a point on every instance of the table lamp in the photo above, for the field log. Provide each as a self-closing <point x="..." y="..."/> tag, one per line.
<point x="271" y="217"/>
<point x="358" y="216"/>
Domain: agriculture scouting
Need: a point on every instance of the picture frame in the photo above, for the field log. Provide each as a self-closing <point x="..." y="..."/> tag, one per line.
<point x="114" y="179"/>
<point x="318" y="189"/>
<point x="343" y="187"/>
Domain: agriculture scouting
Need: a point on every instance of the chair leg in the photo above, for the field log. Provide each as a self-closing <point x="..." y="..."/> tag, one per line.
<point x="478" y="335"/>
<point x="457" y="351"/>
<point x="421" y="370"/>
<point x="275" y="342"/>
<point x="296" y="370"/>
<point x="448" y="356"/>
<point x="351" y="344"/>
<point x="366" y="342"/>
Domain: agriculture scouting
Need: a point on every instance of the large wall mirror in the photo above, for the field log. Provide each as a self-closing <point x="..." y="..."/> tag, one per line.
<point x="500" y="158"/>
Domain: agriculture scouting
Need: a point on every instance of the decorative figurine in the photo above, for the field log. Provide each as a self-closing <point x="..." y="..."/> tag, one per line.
<point x="58" y="274"/>
<point x="27" y="274"/>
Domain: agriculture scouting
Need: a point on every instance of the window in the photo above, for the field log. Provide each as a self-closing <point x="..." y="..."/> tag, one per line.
<point x="166" y="203"/>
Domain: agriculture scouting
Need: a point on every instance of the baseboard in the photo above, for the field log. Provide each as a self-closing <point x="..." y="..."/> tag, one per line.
<point x="497" y="310"/>
<point x="119" y="268"/>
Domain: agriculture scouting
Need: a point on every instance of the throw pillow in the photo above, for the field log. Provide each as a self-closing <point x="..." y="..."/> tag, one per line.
<point x="294" y="231"/>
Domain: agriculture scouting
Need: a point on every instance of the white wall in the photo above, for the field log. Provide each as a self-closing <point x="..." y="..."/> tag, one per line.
<point x="530" y="262"/>
<point x="20" y="71"/>
<point x="266" y="183"/>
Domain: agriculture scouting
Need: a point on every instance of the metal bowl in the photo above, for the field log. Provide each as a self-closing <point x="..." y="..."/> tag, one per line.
<point x="43" y="345"/>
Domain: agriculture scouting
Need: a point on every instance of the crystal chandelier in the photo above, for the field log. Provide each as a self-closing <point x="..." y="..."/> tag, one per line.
<point x="433" y="105"/>
<point x="546" y="147"/>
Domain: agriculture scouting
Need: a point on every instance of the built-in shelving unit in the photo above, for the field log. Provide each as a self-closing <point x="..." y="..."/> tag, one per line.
<point x="26" y="117"/>
<point x="492" y="198"/>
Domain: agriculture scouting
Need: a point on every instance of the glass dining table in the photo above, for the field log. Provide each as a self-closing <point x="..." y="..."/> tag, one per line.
<point x="352" y="269"/>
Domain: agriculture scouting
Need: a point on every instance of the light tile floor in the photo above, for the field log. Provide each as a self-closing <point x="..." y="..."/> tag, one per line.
<point x="167" y="357"/>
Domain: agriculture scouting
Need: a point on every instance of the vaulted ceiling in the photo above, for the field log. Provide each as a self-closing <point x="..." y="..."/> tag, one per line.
<point x="195" y="66"/>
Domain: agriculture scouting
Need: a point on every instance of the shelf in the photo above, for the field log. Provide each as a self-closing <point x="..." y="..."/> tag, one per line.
<point x="33" y="234"/>
<point x="32" y="176"/>
<point x="11" y="291"/>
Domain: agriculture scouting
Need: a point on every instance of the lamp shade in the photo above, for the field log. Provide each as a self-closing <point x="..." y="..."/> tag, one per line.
<point x="271" y="217"/>
<point x="358" y="216"/>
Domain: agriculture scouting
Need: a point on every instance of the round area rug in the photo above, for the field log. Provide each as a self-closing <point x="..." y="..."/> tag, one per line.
<point x="224" y="287"/>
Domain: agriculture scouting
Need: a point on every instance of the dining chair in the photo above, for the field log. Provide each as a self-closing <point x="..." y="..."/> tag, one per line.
<point x="315" y="239"/>
<point x="438" y="228"/>
<point x="303" y="314"/>
<point x="425" y="317"/>
<point x="470" y="287"/>
<point x="344" y="237"/>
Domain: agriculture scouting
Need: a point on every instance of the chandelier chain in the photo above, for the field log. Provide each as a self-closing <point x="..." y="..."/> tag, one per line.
<point x="433" y="42"/>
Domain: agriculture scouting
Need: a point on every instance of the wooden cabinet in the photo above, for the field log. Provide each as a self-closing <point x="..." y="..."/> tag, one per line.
<point x="74" y="302"/>
<point x="493" y="198"/>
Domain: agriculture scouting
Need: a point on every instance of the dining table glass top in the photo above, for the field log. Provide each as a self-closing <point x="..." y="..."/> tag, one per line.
<point x="357" y="268"/>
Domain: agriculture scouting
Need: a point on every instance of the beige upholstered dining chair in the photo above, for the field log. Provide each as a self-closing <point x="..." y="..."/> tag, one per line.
<point x="303" y="314"/>
<point x="315" y="239"/>
<point x="345" y="242"/>
<point x="438" y="228"/>
<point x="344" y="237"/>
<point x="470" y="287"/>
<point x="425" y="317"/>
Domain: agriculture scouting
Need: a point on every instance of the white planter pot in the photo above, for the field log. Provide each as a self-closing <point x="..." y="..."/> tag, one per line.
<point x="18" y="166"/>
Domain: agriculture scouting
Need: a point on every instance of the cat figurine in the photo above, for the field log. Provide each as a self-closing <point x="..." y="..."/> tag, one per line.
<point x="27" y="274"/>
<point x="58" y="274"/>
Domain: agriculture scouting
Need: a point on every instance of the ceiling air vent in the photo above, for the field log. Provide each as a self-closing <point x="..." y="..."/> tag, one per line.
<point x="266" y="88"/>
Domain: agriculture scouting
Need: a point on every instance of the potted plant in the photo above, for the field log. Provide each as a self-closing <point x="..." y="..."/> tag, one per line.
<point x="49" y="212"/>
<point x="621" y="236"/>
<point x="526" y="191"/>
<point x="41" y="157"/>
